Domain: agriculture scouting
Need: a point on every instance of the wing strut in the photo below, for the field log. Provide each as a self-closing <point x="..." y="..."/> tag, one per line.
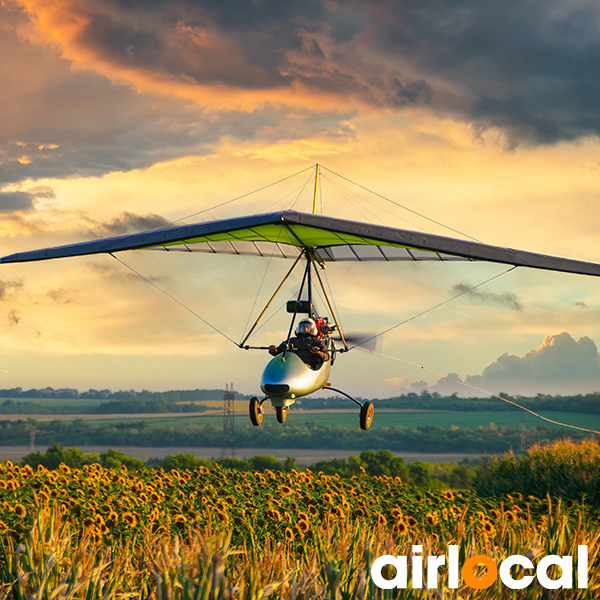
<point x="242" y="343"/>
<point x="337" y="324"/>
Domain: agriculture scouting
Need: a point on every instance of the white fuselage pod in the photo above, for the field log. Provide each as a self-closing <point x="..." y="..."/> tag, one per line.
<point x="287" y="378"/>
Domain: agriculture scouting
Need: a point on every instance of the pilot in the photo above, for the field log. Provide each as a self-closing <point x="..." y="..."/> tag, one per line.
<point x="307" y="345"/>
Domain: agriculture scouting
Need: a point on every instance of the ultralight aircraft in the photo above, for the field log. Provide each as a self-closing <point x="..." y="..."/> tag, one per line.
<point x="313" y="241"/>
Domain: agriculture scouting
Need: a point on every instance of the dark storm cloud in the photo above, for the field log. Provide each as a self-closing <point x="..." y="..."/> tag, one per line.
<point x="59" y="123"/>
<point x="528" y="67"/>
<point x="505" y="299"/>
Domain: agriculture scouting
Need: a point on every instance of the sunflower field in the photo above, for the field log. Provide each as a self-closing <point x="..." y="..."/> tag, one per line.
<point x="220" y="533"/>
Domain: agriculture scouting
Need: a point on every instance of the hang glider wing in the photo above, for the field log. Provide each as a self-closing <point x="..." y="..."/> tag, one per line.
<point x="285" y="234"/>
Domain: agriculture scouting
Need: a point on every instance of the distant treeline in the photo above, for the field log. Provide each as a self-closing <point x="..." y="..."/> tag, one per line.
<point x="491" y="439"/>
<point x="67" y="393"/>
<point x="182" y="401"/>
<point x="118" y="403"/>
<point x="383" y="462"/>
<point x="589" y="403"/>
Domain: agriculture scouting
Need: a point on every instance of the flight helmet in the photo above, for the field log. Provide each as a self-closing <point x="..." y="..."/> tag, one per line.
<point x="306" y="327"/>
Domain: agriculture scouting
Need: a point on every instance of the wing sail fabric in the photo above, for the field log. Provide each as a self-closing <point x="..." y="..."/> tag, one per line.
<point x="284" y="234"/>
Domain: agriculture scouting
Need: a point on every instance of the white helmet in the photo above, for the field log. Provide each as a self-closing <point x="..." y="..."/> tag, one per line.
<point x="306" y="327"/>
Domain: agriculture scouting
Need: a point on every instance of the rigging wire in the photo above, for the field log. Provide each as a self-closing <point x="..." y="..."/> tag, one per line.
<point x="402" y="206"/>
<point x="262" y="283"/>
<point x="482" y="390"/>
<point x="346" y="192"/>
<point x="300" y="189"/>
<point x="432" y="308"/>
<point x="232" y="200"/>
<point x="301" y="192"/>
<point x="174" y="299"/>
<point x="352" y="202"/>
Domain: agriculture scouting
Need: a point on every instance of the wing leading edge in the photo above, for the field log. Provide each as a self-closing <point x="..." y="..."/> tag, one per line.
<point x="285" y="233"/>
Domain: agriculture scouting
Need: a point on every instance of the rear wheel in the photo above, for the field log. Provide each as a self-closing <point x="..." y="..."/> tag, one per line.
<point x="366" y="415"/>
<point x="256" y="412"/>
<point x="281" y="412"/>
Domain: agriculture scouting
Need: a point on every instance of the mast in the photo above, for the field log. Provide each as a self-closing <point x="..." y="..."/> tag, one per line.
<point x="314" y="212"/>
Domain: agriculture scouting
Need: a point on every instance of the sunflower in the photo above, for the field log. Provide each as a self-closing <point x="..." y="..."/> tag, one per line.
<point x="285" y="490"/>
<point x="129" y="519"/>
<point x="396" y="513"/>
<point x="289" y="534"/>
<point x="489" y="529"/>
<point x="303" y="526"/>
<point x="179" y="520"/>
<point x="20" y="511"/>
<point x="222" y="517"/>
<point x="381" y="520"/>
<point x="313" y="510"/>
<point x="64" y="468"/>
<point x="411" y="522"/>
<point x="401" y="527"/>
<point x="510" y="516"/>
<point x="447" y="494"/>
<point x="432" y="518"/>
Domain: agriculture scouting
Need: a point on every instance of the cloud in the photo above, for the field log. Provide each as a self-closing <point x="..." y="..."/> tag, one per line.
<point x="119" y="274"/>
<point x="505" y="299"/>
<point x="58" y="122"/>
<point x="525" y="67"/>
<point x="13" y="318"/>
<point x="10" y="287"/>
<point x="128" y="222"/>
<point x="18" y="200"/>
<point x="559" y="365"/>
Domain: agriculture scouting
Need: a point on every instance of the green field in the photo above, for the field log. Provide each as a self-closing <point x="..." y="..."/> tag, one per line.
<point x="399" y="419"/>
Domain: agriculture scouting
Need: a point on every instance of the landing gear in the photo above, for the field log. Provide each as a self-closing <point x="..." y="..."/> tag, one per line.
<point x="366" y="415"/>
<point x="256" y="411"/>
<point x="281" y="412"/>
<point x="366" y="409"/>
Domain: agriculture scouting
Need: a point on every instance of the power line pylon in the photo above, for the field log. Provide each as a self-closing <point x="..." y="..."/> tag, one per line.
<point x="228" y="421"/>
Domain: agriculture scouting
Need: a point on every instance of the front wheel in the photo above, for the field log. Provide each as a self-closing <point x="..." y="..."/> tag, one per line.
<point x="256" y="412"/>
<point x="281" y="412"/>
<point x="366" y="415"/>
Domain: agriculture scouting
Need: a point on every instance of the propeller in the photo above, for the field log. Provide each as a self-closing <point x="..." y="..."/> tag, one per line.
<point x="365" y="340"/>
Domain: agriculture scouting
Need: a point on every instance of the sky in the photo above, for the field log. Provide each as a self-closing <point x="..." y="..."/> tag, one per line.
<point x="461" y="116"/>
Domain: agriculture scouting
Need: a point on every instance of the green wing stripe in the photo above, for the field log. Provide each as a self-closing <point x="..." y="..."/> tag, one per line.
<point x="324" y="234"/>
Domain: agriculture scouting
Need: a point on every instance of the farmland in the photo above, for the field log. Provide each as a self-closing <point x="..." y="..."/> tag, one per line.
<point x="384" y="418"/>
<point x="205" y="533"/>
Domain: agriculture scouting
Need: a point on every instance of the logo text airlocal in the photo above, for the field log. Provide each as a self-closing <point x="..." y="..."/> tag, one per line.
<point x="400" y="581"/>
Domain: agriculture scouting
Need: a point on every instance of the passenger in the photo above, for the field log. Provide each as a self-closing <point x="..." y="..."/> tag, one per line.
<point x="307" y="345"/>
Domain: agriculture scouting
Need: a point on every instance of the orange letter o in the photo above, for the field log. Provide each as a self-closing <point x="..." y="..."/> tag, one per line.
<point x="479" y="583"/>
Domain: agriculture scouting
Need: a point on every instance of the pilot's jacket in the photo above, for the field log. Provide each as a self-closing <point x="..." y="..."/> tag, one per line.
<point x="301" y="346"/>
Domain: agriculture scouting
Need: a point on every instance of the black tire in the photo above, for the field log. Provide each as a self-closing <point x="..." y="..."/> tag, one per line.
<point x="256" y="412"/>
<point x="281" y="412"/>
<point x="366" y="415"/>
